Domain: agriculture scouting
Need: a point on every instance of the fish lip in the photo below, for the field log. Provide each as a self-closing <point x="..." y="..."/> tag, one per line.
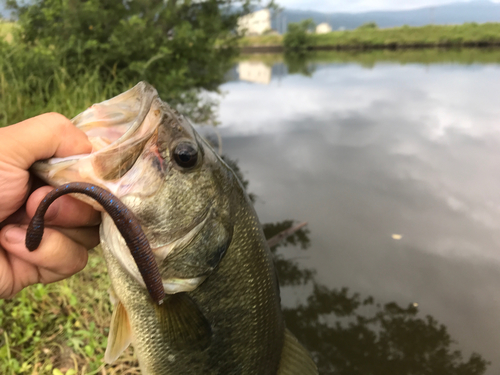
<point x="142" y="90"/>
<point x="135" y="136"/>
<point x="127" y="122"/>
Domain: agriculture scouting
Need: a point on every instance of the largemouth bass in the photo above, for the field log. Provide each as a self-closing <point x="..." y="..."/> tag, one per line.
<point x="221" y="313"/>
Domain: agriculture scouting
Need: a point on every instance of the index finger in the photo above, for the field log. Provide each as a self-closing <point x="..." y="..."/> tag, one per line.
<point x="65" y="211"/>
<point x="42" y="137"/>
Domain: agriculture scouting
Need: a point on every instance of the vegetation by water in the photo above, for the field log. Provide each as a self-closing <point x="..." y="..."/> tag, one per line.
<point x="57" y="47"/>
<point x="306" y="63"/>
<point x="32" y="83"/>
<point x="370" y="35"/>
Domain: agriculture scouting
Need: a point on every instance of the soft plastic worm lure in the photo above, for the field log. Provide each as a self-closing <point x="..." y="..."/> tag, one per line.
<point x="125" y="221"/>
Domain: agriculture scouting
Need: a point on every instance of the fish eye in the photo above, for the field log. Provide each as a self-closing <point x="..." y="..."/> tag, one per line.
<point x="185" y="155"/>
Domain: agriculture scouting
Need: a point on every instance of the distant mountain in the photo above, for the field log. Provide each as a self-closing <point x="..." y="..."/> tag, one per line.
<point x="479" y="11"/>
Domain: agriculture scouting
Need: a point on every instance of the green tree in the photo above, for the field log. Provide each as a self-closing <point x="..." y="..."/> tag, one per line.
<point x="368" y="26"/>
<point x="298" y="36"/>
<point x="176" y="45"/>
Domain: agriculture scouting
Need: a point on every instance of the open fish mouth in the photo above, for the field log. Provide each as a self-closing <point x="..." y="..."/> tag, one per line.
<point x="122" y="131"/>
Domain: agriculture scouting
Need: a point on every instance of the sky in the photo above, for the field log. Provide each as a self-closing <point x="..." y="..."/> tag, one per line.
<point x="357" y="6"/>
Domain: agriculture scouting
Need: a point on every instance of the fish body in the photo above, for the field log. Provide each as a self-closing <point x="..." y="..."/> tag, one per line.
<point x="221" y="313"/>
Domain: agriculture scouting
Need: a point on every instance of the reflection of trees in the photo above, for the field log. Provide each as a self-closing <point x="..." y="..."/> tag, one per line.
<point x="349" y="335"/>
<point x="299" y="63"/>
<point x="306" y="63"/>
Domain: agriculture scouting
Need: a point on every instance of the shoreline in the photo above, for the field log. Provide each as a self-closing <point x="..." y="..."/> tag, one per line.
<point x="368" y="47"/>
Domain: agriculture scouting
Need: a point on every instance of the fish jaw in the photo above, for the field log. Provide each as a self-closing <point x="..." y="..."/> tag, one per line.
<point x="122" y="131"/>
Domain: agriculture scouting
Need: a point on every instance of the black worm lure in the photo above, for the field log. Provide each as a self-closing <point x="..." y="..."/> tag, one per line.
<point x="125" y="221"/>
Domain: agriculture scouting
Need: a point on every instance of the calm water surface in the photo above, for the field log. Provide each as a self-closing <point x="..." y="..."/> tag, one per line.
<point x="396" y="168"/>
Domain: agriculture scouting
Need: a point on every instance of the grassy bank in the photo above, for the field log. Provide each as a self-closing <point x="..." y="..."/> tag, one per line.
<point x="399" y="37"/>
<point x="25" y="96"/>
<point x="33" y="81"/>
<point x="61" y="328"/>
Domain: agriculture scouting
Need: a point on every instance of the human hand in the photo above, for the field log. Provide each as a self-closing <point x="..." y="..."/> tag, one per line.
<point x="71" y="225"/>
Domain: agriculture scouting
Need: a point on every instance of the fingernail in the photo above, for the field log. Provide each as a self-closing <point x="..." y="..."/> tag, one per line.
<point x="15" y="235"/>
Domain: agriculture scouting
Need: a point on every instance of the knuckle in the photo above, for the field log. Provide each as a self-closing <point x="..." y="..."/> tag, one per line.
<point x="79" y="260"/>
<point x="59" y="122"/>
<point x="70" y="256"/>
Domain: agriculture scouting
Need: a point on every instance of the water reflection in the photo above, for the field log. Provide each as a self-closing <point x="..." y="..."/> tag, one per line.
<point x="349" y="335"/>
<point x="306" y="64"/>
<point x="364" y="149"/>
<point x="300" y="63"/>
<point x="252" y="71"/>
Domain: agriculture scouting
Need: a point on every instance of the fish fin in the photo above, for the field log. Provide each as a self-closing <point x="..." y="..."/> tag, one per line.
<point x="295" y="359"/>
<point x="112" y="296"/>
<point x="174" y="285"/>
<point x="120" y="334"/>
<point x="182" y="322"/>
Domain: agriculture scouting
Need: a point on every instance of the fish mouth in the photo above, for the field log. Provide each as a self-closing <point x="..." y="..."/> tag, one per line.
<point x="122" y="131"/>
<point x="125" y="160"/>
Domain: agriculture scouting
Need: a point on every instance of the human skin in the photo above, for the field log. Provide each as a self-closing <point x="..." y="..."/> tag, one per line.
<point x="71" y="225"/>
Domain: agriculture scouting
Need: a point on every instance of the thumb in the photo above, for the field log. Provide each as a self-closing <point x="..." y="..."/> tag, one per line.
<point x="42" y="137"/>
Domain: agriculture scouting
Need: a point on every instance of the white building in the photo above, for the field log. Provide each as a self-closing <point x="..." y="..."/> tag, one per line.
<point x="255" y="23"/>
<point x="323" y="28"/>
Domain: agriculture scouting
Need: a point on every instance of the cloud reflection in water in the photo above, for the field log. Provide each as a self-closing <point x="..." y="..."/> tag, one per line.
<point x="362" y="154"/>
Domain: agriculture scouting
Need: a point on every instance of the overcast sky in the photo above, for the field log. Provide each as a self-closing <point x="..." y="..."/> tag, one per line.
<point x="356" y="6"/>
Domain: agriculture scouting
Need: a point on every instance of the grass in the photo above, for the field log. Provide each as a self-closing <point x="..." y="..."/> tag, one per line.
<point x="32" y="82"/>
<point x="405" y="36"/>
<point x="410" y="36"/>
<point x="262" y="40"/>
<point x="61" y="328"/>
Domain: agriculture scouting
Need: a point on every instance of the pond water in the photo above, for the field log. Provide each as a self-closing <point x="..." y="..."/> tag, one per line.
<point x="394" y="162"/>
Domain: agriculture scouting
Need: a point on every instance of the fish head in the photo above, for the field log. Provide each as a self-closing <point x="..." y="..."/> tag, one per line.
<point x="151" y="157"/>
